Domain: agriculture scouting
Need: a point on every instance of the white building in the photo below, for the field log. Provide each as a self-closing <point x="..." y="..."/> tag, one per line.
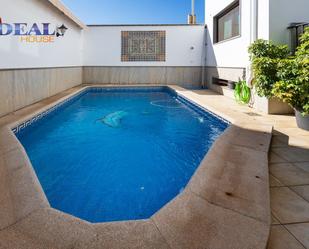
<point x="233" y="25"/>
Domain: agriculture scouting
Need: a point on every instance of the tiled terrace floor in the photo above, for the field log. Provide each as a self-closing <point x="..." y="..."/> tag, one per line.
<point x="289" y="188"/>
<point x="289" y="175"/>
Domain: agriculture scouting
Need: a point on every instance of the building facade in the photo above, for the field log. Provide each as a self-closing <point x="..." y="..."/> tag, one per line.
<point x="233" y="25"/>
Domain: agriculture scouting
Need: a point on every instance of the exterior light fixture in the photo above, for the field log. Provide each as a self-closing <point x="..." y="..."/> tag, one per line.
<point x="61" y="30"/>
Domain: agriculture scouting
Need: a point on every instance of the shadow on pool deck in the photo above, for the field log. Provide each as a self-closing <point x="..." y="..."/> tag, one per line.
<point x="289" y="188"/>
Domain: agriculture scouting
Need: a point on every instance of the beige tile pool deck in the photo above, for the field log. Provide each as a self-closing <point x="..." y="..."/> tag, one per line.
<point x="237" y="197"/>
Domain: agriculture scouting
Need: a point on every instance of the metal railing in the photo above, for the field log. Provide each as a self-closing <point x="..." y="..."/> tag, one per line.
<point x="297" y="29"/>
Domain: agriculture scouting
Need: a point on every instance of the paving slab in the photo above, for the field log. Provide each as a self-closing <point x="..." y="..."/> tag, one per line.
<point x="274" y="220"/>
<point x="304" y="166"/>
<point x="287" y="206"/>
<point x="8" y="141"/>
<point x="235" y="178"/>
<point x="124" y="235"/>
<point x="13" y="239"/>
<point x="254" y="136"/>
<point x="293" y="154"/>
<point x="299" y="141"/>
<point x="280" y="238"/>
<point x="289" y="174"/>
<point x="6" y="205"/>
<point x="302" y="191"/>
<point x="21" y="192"/>
<point x="52" y="227"/>
<point x="274" y="158"/>
<point x="191" y="222"/>
<point x="274" y="182"/>
<point x="300" y="232"/>
<point x="16" y="159"/>
<point x="279" y="141"/>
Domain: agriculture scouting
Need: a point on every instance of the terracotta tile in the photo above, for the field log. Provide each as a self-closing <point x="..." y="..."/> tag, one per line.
<point x="274" y="182"/>
<point x="280" y="238"/>
<point x="301" y="232"/>
<point x="293" y="154"/>
<point x="303" y="191"/>
<point x="287" y="206"/>
<point x="191" y="222"/>
<point x="53" y="227"/>
<point x="131" y="234"/>
<point x="289" y="174"/>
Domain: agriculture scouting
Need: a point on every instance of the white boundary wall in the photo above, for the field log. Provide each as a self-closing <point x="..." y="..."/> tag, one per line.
<point x="102" y="45"/>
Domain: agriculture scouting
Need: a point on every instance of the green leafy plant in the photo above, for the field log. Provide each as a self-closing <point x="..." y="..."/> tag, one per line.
<point x="265" y="56"/>
<point x="293" y="73"/>
<point x="242" y="92"/>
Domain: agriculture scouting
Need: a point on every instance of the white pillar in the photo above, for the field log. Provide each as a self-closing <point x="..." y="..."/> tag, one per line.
<point x="253" y="34"/>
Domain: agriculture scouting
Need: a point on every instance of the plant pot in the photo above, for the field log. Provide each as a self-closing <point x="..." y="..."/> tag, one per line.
<point x="302" y="121"/>
<point x="271" y="106"/>
<point x="231" y="85"/>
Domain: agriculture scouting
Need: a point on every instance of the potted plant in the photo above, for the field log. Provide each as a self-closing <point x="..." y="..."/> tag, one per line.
<point x="265" y="56"/>
<point x="293" y="84"/>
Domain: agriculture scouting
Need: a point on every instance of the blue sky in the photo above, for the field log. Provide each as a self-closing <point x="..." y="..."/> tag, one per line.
<point x="134" y="11"/>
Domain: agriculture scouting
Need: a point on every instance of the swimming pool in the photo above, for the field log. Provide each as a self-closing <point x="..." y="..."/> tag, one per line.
<point x="112" y="154"/>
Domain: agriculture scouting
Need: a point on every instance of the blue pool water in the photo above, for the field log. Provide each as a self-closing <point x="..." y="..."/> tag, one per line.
<point x="113" y="155"/>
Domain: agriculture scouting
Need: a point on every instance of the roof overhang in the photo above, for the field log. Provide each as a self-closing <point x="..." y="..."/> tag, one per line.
<point x="64" y="10"/>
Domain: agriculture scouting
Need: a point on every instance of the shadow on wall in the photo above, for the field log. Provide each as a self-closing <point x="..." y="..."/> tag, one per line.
<point x="209" y="59"/>
<point x="213" y="70"/>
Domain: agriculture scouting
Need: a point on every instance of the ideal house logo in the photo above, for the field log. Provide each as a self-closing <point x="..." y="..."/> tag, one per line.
<point x="34" y="32"/>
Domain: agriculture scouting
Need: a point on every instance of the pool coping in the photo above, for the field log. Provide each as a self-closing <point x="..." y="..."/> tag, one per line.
<point x="225" y="205"/>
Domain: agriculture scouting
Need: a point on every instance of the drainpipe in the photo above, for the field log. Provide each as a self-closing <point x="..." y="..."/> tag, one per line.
<point x="253" y="34"/>
<point x="254" y="20"/>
